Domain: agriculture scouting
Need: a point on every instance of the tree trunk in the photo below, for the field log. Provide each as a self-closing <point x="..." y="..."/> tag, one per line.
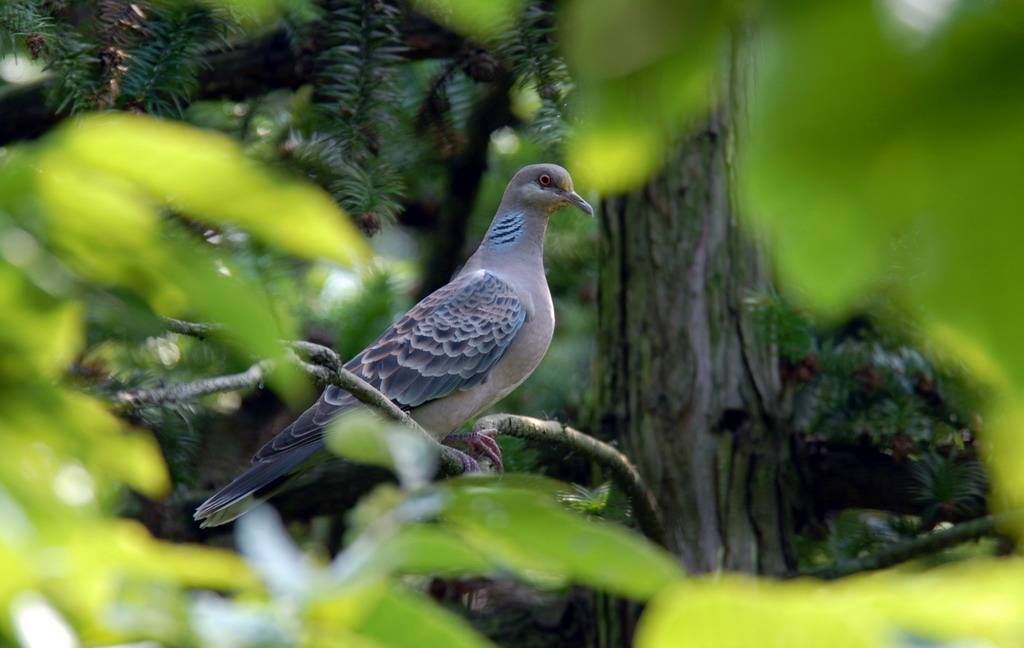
<point x="686" y="381"/>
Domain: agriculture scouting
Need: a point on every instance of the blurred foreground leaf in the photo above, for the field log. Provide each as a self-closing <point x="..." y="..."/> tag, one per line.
<point x="740" y="611"/>
<point x="361" y="435"/>
<point x="205" y="175"/>
<point x="480" y="19"/>
<point x="83" y="210"/>
<point x="885" y="151"/>
<point x="645" y="71"/>
<point x="973" y="603"/>
<point x="526" y="531"/>
<point x="405" y="620"/>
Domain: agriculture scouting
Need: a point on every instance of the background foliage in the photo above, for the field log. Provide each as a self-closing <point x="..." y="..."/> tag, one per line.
<point x="880" y="159"/>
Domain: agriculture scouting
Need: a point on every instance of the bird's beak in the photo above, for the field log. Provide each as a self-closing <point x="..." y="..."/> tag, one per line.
<point x="575" y="200"/>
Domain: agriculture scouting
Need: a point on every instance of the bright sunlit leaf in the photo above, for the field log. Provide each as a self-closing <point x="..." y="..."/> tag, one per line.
<point x="481" y="19"/>
<point x="635" y="157"/>
<point x="645" y="71"/>
<point x="39" y="625"/>
<point x="740" y="611"/>
<point x="253" y="14"/>
<point x="431" y="549"/>
<point x="266" y="545"/>
<point x="40" y="332"/>
<point x="975" y="602"/>
<point x="206" y="175"/>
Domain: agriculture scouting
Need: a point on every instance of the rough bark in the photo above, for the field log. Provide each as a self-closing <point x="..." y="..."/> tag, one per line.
<point x="685" y="379"/>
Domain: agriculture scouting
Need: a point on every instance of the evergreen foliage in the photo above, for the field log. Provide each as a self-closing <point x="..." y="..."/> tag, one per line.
<point x="24" y="26"/>
<point x="137" y="56"/>
<point x="865" y="383"/>
<point x="530" y="48"/>
<point x="166" y="60"/>
<point x="356" y="94"/>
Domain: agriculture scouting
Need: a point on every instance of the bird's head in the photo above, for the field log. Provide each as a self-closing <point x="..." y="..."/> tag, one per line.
<point x="547" y="187"/>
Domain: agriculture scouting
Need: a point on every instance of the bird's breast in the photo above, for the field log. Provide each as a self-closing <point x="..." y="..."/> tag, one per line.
<point x="443" y="416"/>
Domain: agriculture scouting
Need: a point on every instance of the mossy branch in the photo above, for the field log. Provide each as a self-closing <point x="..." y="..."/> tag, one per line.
<point x="327" y="368"/>
<point x="621" y="469"/>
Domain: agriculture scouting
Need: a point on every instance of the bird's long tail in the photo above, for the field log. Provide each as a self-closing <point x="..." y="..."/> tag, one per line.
<point x="261" y="481"/>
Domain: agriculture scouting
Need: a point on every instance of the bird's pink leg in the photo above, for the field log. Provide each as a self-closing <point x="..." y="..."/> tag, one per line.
<point x="482" y="442"/>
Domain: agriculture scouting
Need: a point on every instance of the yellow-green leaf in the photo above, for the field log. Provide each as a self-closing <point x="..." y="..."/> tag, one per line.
<point x="206" y="175"/>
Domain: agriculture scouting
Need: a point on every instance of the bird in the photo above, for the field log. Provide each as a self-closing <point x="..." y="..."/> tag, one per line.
<point x="449" y="358"/>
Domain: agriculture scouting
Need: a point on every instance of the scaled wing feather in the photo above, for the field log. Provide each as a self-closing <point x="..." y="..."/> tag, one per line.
<point x="447" y="342"/>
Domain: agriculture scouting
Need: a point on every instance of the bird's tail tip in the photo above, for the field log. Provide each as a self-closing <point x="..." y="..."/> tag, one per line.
<point x="215" y="512"/>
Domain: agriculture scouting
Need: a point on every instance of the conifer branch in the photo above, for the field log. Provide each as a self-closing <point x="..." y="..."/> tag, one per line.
<point x="248" y="69"/>
<point x="923" y="546"/>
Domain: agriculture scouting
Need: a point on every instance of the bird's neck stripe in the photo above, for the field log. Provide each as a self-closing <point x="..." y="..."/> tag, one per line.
<point x="507" y="229"/>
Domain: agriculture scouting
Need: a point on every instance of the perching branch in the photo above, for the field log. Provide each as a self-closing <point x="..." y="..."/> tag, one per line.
<point x="923" y="546"/>
<point x="327" y="368"/>
<point x="622" y="471"/>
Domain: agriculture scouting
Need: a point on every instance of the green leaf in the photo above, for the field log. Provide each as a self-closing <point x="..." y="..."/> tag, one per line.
<point x="431" y="549"/>
<point x="99" y="184"/>
<point x="524" y="530"/>
<point x="253" y="14"/>
<point x="406" y="620"/>
<point x="361" y="435"/>
<point x="206" y="175"/>
<point x="39" y="334"/>
<point x="742" y="611"/>
<point x="645" y="70"/>
<point x="970" y="603"/>
<point x="884" y="150"/>
<point x="480" y="19"/>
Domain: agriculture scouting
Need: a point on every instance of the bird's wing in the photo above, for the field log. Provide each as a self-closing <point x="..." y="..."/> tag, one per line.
<point x="447" y="342"/>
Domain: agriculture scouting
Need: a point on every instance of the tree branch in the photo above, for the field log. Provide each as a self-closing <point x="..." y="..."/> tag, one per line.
<point x="465" y="170"/>
<point x="247" y="70"/>
<point x="328" y="371"/>
<point x="251" y="377"/>
<point x="327" y="368"/>
<point x="198" y="330"/>
<point x="923" y="546"/>
<point x="622" y="471"/>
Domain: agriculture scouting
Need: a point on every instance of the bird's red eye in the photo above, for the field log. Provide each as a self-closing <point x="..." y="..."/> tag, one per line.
<point x="544" y="180"/>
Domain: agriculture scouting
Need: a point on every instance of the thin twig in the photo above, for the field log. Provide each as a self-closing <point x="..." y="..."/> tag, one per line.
<point x="326" y="369"/>
<point x="251" y="377"/>
<point x="622" y="471"/>
<point x="365" y="393"/>
<point x="923" y="546"/>
<point x="199" y="330"/>
<point x="318" y="353"/>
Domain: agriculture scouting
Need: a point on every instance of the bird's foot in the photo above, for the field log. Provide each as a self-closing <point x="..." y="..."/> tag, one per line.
<point x="482" y="442"/>
<point x="469" y="464"/>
